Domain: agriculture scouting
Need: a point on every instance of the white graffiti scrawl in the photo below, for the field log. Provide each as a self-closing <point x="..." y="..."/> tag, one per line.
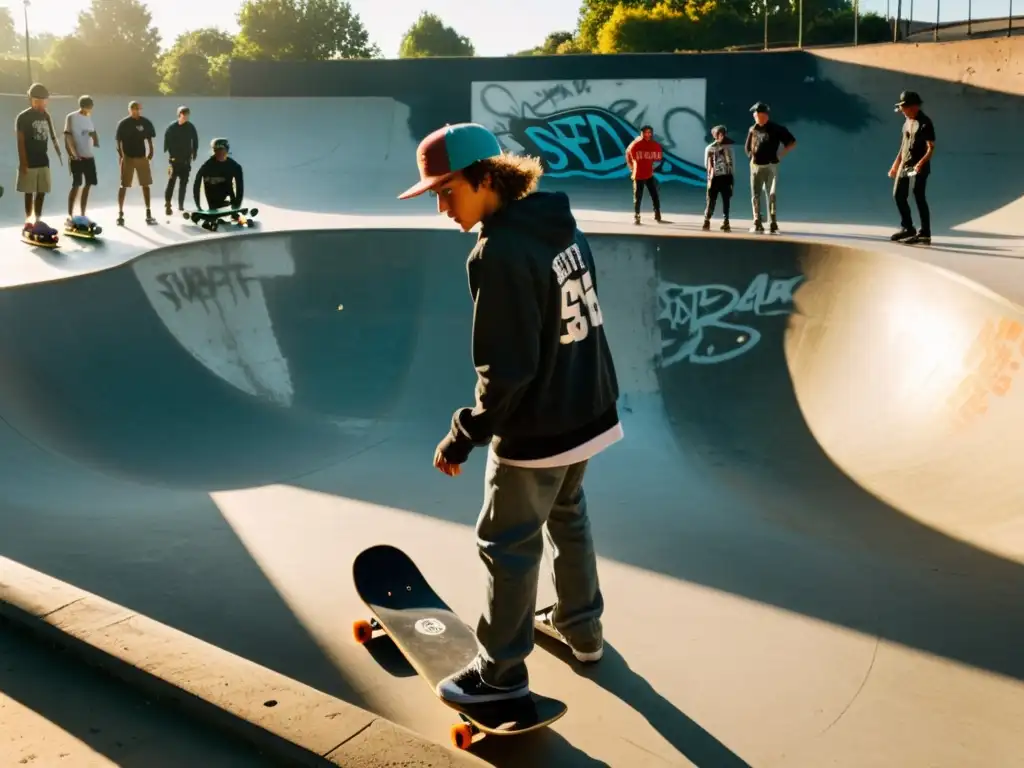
<point x="699" y="325"/>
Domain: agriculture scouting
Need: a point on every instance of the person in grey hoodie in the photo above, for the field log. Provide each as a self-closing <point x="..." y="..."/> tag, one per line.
<point x="545" y="402"/>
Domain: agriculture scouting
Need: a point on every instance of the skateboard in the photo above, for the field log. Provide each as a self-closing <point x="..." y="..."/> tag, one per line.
<point x="83" y="227"/>
<point x="212" y="219"/>
<point x="436" y="642"/>
<point x="41" y="234"/>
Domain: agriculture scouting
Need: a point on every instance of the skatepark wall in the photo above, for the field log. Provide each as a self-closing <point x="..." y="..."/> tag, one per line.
<point x="577" y="113"/>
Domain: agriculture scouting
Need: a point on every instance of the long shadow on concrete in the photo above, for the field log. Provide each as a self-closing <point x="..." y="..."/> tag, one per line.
<point x="99" y="715"/>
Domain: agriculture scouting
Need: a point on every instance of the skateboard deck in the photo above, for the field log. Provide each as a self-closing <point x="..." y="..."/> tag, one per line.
<point x="43" y="241"/>
<point x="212" y="219"/>
<point x="91" y="233"/>
<point x="436" y="642"/>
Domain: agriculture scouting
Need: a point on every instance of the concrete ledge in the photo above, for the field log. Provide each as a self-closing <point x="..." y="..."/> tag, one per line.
<point x="289" y="721"/>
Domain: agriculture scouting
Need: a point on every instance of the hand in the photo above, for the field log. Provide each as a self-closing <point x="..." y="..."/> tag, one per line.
<point x="452" y="470"/>
<point x="23" y="169"/>
<point x="149" y="156"/>
<point x="918" y="168"/>
<point x="893" y="172"/>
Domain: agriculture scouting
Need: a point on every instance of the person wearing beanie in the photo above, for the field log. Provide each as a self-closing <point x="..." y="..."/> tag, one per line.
<point x="34" y="129"/>
<point x="220" y="177"/>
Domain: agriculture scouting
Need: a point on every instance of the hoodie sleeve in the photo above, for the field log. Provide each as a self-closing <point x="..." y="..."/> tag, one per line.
<point x="239" y="185"/>
<point x="506" y="338"/>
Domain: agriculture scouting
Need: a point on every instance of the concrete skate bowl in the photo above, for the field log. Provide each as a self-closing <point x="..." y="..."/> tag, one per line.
<point x="826" y="429"/>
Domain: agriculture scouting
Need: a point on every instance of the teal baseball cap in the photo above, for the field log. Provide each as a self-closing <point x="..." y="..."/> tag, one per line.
<point x="447" y="151"/>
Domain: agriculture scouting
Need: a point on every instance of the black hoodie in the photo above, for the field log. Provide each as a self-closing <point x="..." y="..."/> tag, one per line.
<point x="545" y="379"/>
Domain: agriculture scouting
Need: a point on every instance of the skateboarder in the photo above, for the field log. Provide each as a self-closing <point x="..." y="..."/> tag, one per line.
<point x="641" y="155"/>
<point x="135" y="135"/>
<point x="767" y="143"/>
<point x="181" y="143"/>
<point x="913" y="163"/>
<point x="546" y="394"/>
<point x="220" y="177"/>
<point x="719" y="162"/>
<point x="34" y="130"/>
<point x="81" y="138"/>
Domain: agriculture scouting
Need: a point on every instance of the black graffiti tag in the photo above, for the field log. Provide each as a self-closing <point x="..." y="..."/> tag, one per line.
<point x="698" y="329"/>
<point x="205" y="284"/>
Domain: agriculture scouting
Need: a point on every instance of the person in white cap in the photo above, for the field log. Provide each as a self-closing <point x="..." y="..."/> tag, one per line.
<point x="546" y="394"/>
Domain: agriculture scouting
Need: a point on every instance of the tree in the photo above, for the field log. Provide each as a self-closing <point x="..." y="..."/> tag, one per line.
<point x="10" y="40"/>
<point x="594" y="14"/>
<point x="550" y="46"/>
<point x="639" y="30"/>
<point x="302" y="30"/>
<point x="185" y="67"/>
<point x="430" y="37"/>
<point x="114" y="49"/>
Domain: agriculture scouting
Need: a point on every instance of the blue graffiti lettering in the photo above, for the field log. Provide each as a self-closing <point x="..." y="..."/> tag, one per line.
<point x="696" y="328"/>
<point x="590" y="142"/>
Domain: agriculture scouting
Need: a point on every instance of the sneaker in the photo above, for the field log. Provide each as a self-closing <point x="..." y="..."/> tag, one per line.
<point x="469" y="687"/>
<point x="587" y="653"/>
<point x="657" y="217"/>
<point x="706" y="226"/>
<point x="758" y="227"/>
<point x="636" y="219"/>
<point x="773" y="228"/>
<point x="903" y="234"/>
<point x="918" y="240"/>
<point x="725" y="226"/>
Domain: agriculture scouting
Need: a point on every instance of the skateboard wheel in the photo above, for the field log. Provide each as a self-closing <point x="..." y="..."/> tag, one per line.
<point x="462" y="735"/>
<point x="362" y="631"/>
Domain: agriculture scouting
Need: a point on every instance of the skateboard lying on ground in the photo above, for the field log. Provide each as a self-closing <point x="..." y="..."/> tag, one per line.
<point x="436" y="643"/>
<point x="83" y="227"/>
<point x="212" y="219"/>
<point x="40" y="234"/>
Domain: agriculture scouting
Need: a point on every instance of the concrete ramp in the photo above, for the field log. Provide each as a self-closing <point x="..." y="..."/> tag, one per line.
<point x="820" y="468"/>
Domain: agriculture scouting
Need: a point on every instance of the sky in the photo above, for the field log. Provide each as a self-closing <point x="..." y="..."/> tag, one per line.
<point x="493" y="28"/>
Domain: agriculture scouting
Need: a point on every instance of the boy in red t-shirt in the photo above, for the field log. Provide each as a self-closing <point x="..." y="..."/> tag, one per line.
<point x="641" y="155"/>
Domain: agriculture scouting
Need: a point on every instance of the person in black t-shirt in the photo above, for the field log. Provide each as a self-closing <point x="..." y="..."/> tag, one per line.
<point x="913" y="162"/>
<point x="34" y="130"/>
<point x="767" y="143"/>
<point x="181" y="143"/>
<point x="134" y="133"/>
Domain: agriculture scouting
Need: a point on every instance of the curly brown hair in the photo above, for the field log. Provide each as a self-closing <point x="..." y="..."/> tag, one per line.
<point x="512" y="176"/>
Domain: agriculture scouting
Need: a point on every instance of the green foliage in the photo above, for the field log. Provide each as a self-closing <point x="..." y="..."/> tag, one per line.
<point x="10" y="40"/>
<point x="551" y="45"/>
<point x="185" y="67"/>
<point x="113" y="50"/>
<point x="428" y="36"/>
<point x="301" y="30"/>
<point x="634" y="26"/>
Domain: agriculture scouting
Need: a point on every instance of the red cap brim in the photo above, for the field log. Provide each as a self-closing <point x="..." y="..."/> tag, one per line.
<point x="424" y="185"/>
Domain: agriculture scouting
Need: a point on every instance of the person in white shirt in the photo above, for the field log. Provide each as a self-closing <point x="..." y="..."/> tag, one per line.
<point x="718" y="160"/>
<point x="81" y="138"/>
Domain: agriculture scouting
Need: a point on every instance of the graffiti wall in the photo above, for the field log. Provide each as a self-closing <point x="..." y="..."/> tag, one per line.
<point x="581" y="128"/>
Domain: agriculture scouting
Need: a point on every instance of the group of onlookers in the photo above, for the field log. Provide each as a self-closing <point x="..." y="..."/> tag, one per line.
<point x="767" y="142"/>
<point x="220" y="176"/>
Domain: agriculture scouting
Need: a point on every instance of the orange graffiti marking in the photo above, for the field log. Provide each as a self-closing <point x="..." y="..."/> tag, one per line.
<point x="995" y="358"/>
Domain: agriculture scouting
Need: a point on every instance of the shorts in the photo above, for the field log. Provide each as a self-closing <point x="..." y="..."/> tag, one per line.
<point x="84" y="168"/>
<point x="35" y="181"/>
<point x="130" y="166"/>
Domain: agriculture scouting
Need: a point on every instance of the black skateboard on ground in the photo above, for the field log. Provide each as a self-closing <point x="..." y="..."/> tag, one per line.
<point x="436" y="642"/>
<point x="212" y="219"/>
